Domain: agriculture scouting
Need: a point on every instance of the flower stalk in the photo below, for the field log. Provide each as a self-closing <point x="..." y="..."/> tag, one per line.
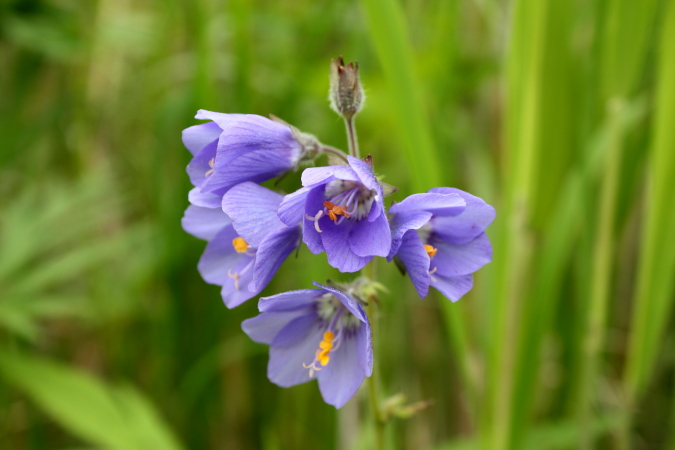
<point x="351" y="137"/>
<point x="379" y="421"/>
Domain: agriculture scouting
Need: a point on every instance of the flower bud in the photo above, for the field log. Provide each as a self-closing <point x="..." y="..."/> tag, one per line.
<point x="346" y="94"/>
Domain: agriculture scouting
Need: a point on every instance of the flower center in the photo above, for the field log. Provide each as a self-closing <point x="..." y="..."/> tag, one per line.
<point x="340" y="320"/>
<point x="431" y="250"/>
<point x="335" y="210"/>
<point x="348" y="199"/>
<point x="240" y="245"/>
<point x="212" y="164"/>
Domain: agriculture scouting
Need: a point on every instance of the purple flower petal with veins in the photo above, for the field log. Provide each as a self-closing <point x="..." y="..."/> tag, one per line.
<point x="342" y="209"/>
<point x="235" y="148"/>
<point x="440" y="239"/>
<point x="315" y="333"/>
<point x="247" y="241"/>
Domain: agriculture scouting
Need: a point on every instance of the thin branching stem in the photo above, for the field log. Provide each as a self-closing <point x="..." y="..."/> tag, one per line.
<point x="334" y="151"/>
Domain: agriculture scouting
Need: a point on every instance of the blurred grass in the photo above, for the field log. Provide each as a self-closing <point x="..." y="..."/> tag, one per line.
<point x="566" y="338"/>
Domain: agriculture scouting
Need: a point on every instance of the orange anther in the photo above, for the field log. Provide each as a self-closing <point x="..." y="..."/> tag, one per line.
<point x="328" y="335"/>
<point x="431" y="250"/>
<point x="239" y="244"/>
<point x="334" y="210"/>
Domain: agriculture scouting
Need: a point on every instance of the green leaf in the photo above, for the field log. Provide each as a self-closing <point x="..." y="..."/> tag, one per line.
<point x="109" y="416"/>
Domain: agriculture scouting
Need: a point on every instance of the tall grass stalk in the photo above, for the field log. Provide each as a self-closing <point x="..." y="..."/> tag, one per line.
<point x="603" y="258"/>
<point x="653" y="299"/>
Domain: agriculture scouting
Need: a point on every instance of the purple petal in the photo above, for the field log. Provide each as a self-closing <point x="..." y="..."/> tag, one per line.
<point x="416" y="261"/>
<point x="315" y="175"/>
<point x="465" y="227"/>
<point x="313" y="204"/>
<point x="341" y="378"/>
<point x="248" y="165"/>
<point x="364" y="172"/>
<point x="452" y="260"/>
<point x="350" y="302"/>
<point x="453" y="287"/>
<point x="364" y="348"/>
<point x="435" y="203"/>
<point x="285" y="366"/>
<point x="233" y="294"/>
<point x="221" y="119"/>
<point x="290" y="301"/>
<point x="377" y="208"/>
<point x="204" y="223"/>
<point x="199" y="136"/>
<point x="204" y="199"/>
<point x="402" y="222"/>
<point x="335" y="240"/>
<point x="199" y="166"/>
<point x="264" y="327"/>
<point x="273" y="251"/>
<point x="292" y="207"/>
<point x="371" y="238"/>
<point x="253" y="210"/>
<point x="219" y="257"/>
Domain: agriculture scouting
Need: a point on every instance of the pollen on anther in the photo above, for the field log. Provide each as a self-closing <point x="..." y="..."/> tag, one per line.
<point x="431" y="250"/>
<point x="240" y="245"/>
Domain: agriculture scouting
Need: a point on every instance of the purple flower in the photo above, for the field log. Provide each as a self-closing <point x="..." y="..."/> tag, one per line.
<point x="322" y="333"/>
<point x="342" y="209"/>
<point x="440" y="239"/>
<point x="247" y="242"/>
<point x="234" y="148"/>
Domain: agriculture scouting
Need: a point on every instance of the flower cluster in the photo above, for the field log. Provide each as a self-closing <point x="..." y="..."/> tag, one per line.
<point x="437" y="237"/>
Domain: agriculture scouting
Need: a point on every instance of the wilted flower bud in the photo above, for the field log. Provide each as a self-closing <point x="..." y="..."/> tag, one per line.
<point x="345" y="94"/>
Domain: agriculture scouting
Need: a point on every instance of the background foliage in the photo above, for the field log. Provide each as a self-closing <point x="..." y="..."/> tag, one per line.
<point x="559" y="113"/>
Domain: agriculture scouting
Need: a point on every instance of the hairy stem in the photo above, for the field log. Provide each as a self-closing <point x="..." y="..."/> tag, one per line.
<point x="334" y="151"/>
<point x="351" y="137"/>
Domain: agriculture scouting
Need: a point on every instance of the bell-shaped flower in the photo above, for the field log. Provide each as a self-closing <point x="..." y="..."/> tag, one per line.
<point x="440" y="239"/>
<point x="234" y="148"/>
<point x="315" y="333"/>
<point x="246" y="245"/>
<point x="342" y="209"/>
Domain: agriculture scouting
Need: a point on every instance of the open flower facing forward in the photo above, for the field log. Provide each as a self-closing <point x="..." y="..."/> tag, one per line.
<point x="234" y="148"/>
<point x="342" y="208"/>
<point x="315" y="333"/>
<point x="247" y="245"/>
<point x="440" y="239"/>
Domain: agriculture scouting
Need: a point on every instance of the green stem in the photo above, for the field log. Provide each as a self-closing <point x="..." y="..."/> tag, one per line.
<point x="334" y="151"/>
<point x="351" y="137"/>
<point x="373" y="386"/>
<point x="601" y="281"/>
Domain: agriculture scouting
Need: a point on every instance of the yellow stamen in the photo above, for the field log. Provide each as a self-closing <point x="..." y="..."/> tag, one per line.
<point x="431" y="250"/>
<point x="239" y="244"/>
<point x="322" y="355"/>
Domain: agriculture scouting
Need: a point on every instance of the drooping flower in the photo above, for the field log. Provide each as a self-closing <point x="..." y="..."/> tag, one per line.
<point x="440" y="239"/>
<point x="246" y="245"/>
<point x="342" y="209"/>
<point x="234" y="148"/>
<point x="315" y="333"/>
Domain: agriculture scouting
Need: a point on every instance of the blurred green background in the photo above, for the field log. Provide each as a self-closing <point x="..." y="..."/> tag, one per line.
<point x="560" y="113"/>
